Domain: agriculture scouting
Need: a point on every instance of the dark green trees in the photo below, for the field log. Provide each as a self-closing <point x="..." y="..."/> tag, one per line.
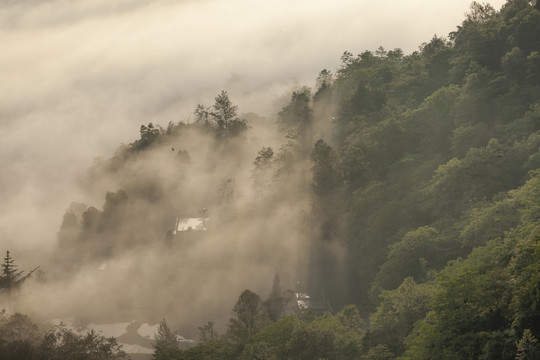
<point x="396" y="315"/>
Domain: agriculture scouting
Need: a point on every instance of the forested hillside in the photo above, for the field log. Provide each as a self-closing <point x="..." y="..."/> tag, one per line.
<point x="429" y="182"/>
<point x="440" y="150"/>
<point x="402" y="192"/>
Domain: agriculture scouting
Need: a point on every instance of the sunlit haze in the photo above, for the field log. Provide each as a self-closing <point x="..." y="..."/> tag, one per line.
<point x="79" y="78"/>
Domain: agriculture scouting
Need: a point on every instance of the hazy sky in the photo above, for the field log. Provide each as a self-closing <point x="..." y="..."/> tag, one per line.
<point x="79" y="77"/>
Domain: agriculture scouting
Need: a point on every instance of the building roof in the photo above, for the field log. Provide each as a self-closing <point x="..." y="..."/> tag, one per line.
<point x="186" y="224"/>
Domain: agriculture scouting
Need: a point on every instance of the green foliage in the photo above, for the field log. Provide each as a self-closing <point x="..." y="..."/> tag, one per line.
<point x="415" y="255"/>
<point x="486" y="302"/>
<point x="398" y="311"/>
<point x="330" y="337"/>
<point x="432" y="145"/>
<point x="274" y="338"/>
<point x="430" y="185"/>
<point x="309" y="341"/>
<point x="430" y="124"/>
<point x="481" y="174"/>
<point x="472" y="305"/>
<point x="489" y="221"/>
<point x="513" y="64"/>
<point x="469" y="136"/>
<point x="327" y="337"/>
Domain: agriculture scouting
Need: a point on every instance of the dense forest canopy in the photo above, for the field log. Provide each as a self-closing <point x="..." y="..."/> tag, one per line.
<point x="401" y="192"/>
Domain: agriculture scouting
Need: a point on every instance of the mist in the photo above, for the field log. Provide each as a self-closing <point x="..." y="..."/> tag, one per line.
<point x="80" y="78"/>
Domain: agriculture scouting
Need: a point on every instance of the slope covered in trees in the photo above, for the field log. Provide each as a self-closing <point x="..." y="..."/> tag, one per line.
<point x="428" y="185"/>
<point x="407" y="185"/>
<point x="433" y="146"/>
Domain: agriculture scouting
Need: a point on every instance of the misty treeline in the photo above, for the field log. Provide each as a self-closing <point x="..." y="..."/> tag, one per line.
<point x="406" y="185"/>
<point x="22" y="339"/>
<point x="424" y="198"/>
<point x="258" y="330"/>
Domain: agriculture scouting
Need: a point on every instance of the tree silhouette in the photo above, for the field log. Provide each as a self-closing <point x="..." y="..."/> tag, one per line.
<point x="222" y="117"/>
<point x="11" y="279"/>
<point x="249" y="316"/>
<point x="167" y="344"/>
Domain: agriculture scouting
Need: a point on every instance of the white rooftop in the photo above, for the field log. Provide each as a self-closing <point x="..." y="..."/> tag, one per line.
<point x="186" y="224"/>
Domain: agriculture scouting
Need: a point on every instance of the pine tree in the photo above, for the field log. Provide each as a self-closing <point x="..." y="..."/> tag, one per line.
<point x="224" y="112"/>
<point x="222" y="117"/>
<point x="11" y="279"/>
